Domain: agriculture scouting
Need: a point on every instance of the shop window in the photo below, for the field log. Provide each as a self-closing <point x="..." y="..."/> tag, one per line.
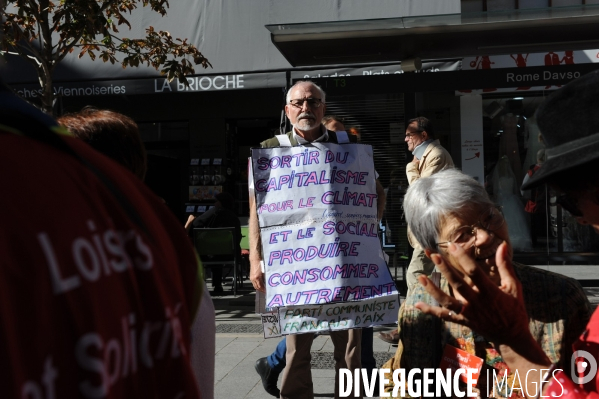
<point x="566" y="3"/>
<point x="242" y="135"/>
<point x="498" y="5"/>
<point x="513" y="150"/>
<point x="468" y="6"/>
<point x="164" y="131"/>
<point x="472" y="6"/>
<point x="534" y="4"/>
<point x="379" y="120"/>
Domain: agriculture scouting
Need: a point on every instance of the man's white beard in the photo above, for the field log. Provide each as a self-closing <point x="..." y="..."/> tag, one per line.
<point x="306" y="125"/>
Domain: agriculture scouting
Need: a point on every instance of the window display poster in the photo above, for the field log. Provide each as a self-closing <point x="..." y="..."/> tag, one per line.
<point x="471" y="118"/>
<point x="203" y="192"/>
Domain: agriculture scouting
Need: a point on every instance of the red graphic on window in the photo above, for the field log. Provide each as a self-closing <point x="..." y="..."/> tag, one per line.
<point x="520" y="63"/>
<point x="482" y="62"/>
<point x="553" y="59"/>
<point x="520" y="60"/>
<point x="568" y="58"/>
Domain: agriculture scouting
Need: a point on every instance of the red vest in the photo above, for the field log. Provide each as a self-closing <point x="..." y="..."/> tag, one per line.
<point x="92" y="304"/>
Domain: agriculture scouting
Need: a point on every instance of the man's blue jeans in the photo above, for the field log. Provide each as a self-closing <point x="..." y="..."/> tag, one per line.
<point x="276" y="360"/>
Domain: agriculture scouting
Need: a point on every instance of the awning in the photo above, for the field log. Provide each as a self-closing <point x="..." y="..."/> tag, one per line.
<point x="438" y="36"/>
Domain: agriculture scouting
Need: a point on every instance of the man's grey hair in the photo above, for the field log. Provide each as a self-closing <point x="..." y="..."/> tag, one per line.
<point x="302" y="82"/>
<point x="431" y="199"/>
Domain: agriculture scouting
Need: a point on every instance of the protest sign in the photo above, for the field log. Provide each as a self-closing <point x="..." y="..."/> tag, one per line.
<point x="271" y="325"/>
<point x="317" y="211"/>
<point x="332" y="316"/>
<point x="296" y="184"/>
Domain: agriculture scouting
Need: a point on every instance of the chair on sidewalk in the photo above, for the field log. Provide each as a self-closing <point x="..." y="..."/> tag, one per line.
<point x="245" y="251"/>
<point x="216" y="246"/>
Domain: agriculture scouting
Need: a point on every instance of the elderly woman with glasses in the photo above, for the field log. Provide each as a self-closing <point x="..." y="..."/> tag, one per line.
<point x="450" y="207"/>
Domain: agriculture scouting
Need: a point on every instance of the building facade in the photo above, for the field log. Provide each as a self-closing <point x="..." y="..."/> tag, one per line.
<point x="480" y="95"/>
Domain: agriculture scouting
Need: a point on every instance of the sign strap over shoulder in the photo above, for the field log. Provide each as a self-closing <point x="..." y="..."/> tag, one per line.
<point x="342" y="137"/>
<point x="283" y="140"/>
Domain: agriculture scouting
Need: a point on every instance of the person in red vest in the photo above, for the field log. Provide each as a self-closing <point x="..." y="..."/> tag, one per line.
<point x="117" y="136"/>
<point x="99" y="284"/>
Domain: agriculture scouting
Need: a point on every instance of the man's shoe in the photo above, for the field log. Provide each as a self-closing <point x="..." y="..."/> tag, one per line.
<point x="392" y="337"/>
<point x="269" y="377"/>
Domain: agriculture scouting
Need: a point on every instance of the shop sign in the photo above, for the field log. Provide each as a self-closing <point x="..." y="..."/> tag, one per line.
<point x="455" y="65"/>
<point x="201" y="83"/>
<point x="528" y="72"/>
<point x="537" y="78"/>
<point x="157" y="85"/>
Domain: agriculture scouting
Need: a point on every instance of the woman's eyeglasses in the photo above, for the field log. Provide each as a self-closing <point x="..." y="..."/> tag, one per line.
<point x="465" y="236"/>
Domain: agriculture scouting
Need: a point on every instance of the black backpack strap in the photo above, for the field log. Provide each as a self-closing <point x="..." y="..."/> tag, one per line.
<point x="333" y="137"/>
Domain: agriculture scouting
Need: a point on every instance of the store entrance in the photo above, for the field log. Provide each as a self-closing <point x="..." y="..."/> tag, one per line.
<point x="514" y="151"/>
<point x="242" y="135"/>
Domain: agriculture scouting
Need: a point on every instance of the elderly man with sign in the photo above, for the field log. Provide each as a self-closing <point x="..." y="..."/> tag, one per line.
<point x="270" y="367"/>
<point x="451" y="208"/>
<point x="305" y="109"/>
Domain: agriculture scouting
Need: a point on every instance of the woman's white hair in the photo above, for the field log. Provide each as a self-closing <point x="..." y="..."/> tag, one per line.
<point x="303" y="82"/>
<point x="430" y="199"/>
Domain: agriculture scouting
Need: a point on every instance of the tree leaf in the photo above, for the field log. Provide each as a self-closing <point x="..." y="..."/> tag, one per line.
<point x="87" y="26"/>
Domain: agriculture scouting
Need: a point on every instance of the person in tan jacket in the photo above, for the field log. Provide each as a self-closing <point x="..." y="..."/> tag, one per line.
<point x="429" y="158"/>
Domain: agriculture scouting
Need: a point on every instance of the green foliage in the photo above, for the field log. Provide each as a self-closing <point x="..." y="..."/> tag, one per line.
<point x="89" y="27"/>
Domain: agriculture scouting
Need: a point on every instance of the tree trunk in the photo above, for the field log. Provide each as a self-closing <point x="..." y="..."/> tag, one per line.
<point x="48" y="95"/>
<point x="44" y="74"/>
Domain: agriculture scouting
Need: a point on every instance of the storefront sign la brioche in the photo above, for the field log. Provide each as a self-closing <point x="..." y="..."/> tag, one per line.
<point x="324" y="265"/>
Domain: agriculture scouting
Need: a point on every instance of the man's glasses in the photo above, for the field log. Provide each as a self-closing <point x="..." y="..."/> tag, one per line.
<point x="465" y="236"/>
<point x="312" y="102"/>
<point x="410" y="134"/>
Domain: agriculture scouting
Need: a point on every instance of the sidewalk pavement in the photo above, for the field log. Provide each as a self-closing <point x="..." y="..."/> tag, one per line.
<point x="240" y="342"/>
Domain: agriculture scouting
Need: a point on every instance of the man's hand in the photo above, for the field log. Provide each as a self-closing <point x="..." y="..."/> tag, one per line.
<point x="256" y="275"/>
<point x="188" y="223"/>
<point x="496" y="312"/>
<point x="257" y="278"/>
<point x="415" y="160"/>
